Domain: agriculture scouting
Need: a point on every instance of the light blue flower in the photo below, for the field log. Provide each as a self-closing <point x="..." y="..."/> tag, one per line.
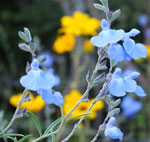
<point x="107" y="35"/>
<point x="143" y="20"/>
<point x="130" y="106"/>
<point x="51" y="98"/>
<point x="112" y="131"/>
<point x="134" y="50"/>
<point x="50" y="71"/>
<point x="117" y="53"/>
<point x="120" y="85"/>
<point x="49" y="59"/>
<point x="36" y="79"/>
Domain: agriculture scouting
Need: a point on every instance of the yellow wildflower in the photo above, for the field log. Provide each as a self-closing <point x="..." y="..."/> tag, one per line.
<point x="79" y="24"/>
<point x="64" y="43"/>
<point x="88" y="47"/>
<point x="35" y="105"/>
<point x="73" y="97"/>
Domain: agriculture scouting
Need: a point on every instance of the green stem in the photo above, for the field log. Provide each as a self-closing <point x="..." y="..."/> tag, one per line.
<point x="14" y="116"/>
<point x="52" y="133"/>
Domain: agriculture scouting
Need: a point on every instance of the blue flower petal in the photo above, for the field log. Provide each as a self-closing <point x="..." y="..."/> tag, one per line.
<point x="111" y="122"/>
<point x="105" y="25"/>
<point x="58" y="99"/>
<point x="133" y="75"/>
<point x="141" y="50"/>
<point x="129" y="46"/>
<point x="139" y="91"/>
<point x="100" y="40"/>
<point x="134" y="50"/>
<point x="47" y="96"/>
<point x="114" y="36"/>
<point x="35" y="64"/>
<point x="107" y="37"/>
<point x="116" y="52"/>
<point x="129" y="85"/>
<point x="130" y="106"/>
<point x="114" y="133"/>
<point x="133" y="33"/>
<point x="127" y="57"/>
<point x="117" y="72"/>
<point x="37" y="79"/>
<point x="116" y="87"/>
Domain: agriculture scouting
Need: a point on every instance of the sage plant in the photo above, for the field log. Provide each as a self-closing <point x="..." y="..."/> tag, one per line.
<point x="112" y="44"/>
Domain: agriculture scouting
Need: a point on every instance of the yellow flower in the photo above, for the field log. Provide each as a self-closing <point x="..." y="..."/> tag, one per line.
<point x="148" y="51"/>
<point x="36" y="105"/>
<point x="64" y="43"/>
<point x="79" y="24"/>
<point x="88" y="47"/>
<point x="73" y="97"/>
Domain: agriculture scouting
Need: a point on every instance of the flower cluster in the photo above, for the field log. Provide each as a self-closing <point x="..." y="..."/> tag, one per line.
<point x="73" y="97"/>
<point x="75" y="26"/>
<point x="117" y="52"/>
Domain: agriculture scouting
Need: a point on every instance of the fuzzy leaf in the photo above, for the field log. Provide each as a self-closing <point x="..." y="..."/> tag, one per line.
<point x="24" y="47"/>
<point x="115" y="15"/>
<point x="28" y="34"/>
<point x="99" y="6"/>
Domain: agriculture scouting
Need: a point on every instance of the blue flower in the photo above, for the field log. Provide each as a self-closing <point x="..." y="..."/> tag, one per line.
<point x="134" y="50"/>
<point x="107" y="35"/>
<point x="36" y="79"/>
<point x="147" y="33"/>
<point x="120" y="85"/>
<point x="49" y="59"/>
<point x="50" y="71"/>
<point x="112" y="131"/>
<point x="130" y="106"/>
<point x="143" y="20"/>
<point x="51" y="98"/>
<point x="129" y="49"/>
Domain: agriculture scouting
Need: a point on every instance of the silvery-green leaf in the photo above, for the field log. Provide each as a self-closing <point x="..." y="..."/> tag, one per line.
<point x="99" y="6"/>
<point x="113" y="63"/>
<point x="115" y="15"/>
<point x="32" y="47"/>
<point x="109" y="15"/>
<point x="113" y="112"/>
<point x="116" y="103"/>
<point x="100" y="78"/>
<point x="105" y="3"/>
<point x="108" y="100"/>
<point x="22" y="36"/>
<point x="24" y="47"/>
<point x="42" y="59"/>
<point x="28" y="34"/>
<point x="88" y="76"/>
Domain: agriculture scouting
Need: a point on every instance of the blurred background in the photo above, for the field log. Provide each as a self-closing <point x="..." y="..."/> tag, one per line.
<point x="69" y="57"/>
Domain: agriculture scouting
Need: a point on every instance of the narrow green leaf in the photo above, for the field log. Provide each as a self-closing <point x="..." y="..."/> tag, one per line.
<point x="6" y="135"/>
<point x="28" y="34"/>
<point x="35" y="120"/>
<point x="14" y="139"/>
<point x="51" y="126"/>
<point x="22" y="35"/>
<point x="115" y="15"/>
<point x="24" y="138"/>
<point x="99" y="6"/>
<point x="24" y="47"/>
<point x="74" y="117"/>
